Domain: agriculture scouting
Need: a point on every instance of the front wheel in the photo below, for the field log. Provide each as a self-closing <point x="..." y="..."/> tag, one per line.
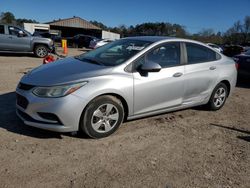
<point x="102" y="117"/>
<point x="41" y="51"/>
<point x="218" y="97"/>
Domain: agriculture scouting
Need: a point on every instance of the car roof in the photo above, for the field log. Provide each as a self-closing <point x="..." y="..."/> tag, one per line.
<point x="151" y="38"/>
<point x="156" y="39"/>
<point x="11" y="25"/>
<point x="83" y="35"/>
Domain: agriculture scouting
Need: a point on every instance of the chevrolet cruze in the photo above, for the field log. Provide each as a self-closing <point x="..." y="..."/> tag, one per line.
<point x="124" y="80"/>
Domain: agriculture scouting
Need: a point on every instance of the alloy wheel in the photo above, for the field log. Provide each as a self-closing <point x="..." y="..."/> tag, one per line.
<point x="104" y="118"/>
<point x="219" y="97"/>
<point x="41" y="51"/>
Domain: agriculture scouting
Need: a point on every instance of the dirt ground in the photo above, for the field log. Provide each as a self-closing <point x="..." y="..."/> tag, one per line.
<point x="188" y="148"/>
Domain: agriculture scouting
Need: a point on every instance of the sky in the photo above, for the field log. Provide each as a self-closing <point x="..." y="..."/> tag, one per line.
<point x="195" y="15"/>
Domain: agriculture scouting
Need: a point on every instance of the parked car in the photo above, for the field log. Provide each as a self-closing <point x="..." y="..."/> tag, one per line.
<point x="232" y="50"/>
<point x="216" y="47"/>
<point x="124" y="80"/>
<point x="97" y="43"/>
<point x="80" y="41"/>
<point x="15" y="39"/>
<point x="49" y="35"/>
<point x="243" y="61"/>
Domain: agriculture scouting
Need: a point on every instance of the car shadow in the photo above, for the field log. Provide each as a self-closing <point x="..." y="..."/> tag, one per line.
<point x="10" y="121"/>
<point x="243" y="82"/>
<point x="245" y="138"/>
<point x="12" y="54"/>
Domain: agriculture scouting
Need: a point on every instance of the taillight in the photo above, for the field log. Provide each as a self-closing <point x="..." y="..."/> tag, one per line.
<point x="237" y="65"/>
<point x="236" y="62"/>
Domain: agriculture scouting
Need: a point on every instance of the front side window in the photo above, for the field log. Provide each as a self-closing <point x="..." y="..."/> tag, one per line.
<point x="166" y="55"/>
<point x="14" y="30"/>
<point x="114" y="53"/>
<point x="2" y="29"/>
<point x="198" y="54"/>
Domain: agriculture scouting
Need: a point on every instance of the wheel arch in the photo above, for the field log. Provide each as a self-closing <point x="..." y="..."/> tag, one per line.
<point x="122" y="99"/>
<point x="39" y="43"/>
<point x="227" y="83"/>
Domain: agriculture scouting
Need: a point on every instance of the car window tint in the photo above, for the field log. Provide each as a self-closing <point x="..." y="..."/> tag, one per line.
<point x="2" y="29"/>
<point x="247" y="52"/>
<point x="198" y="54"/>
<point x="13" y="30"/>
<point x="165" y="55"/>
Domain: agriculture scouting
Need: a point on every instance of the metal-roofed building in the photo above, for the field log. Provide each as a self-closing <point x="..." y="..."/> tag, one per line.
<point x="75" y="22"/>
<point x="72" y="26"/>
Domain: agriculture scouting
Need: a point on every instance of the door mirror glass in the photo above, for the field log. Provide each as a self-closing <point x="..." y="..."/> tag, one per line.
<point x="20" y="34"/>
<point x="150" y="66"/>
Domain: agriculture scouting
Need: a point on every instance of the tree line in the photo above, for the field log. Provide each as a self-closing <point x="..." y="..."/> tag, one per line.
<point x="239" y="33"/>
<point x="9" y="18"/>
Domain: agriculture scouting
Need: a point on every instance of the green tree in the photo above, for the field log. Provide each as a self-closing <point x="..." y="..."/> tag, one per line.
<point x="20" y="21"/>
<point x="7" y="17"/>
<point x="99" y="24"/>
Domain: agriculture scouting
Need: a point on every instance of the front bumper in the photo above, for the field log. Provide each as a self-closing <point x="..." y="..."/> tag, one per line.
<point x="52" y="49"/>
<point x="67" y="109"/>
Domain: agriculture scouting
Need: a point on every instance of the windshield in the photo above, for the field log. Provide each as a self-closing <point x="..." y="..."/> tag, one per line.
<point x="114" y="53"/>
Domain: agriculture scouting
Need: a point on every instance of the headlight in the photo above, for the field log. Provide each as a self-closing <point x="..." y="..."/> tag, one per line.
<point x="57" y="91"/>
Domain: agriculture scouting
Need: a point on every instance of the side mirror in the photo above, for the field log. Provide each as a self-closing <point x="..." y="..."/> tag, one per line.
<point x="150" y="66"/>
<point x="20" y="34"/>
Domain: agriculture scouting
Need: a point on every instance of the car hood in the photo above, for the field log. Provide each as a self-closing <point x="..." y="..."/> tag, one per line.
<point x="40" y="39"/>
<point x="64" y="71"/>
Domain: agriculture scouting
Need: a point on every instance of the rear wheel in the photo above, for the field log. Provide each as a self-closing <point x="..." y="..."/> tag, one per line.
<point x="218" y="97"/>
<point x="41" y="51"/>
<point x="102" y="117"/>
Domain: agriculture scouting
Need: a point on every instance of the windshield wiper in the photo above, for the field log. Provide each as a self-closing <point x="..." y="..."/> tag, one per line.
<point x="90" y="60"/>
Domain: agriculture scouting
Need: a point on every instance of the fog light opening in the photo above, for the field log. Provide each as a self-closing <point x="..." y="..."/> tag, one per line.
<point x="50" y="117"/>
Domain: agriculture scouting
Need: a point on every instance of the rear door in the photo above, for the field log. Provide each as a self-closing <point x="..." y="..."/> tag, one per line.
<point x="159" y="90"/>
<point x="201" y="72"/>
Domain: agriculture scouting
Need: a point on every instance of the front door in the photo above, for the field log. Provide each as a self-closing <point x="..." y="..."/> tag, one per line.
<point x="16" y="42"/>
<point x="159" y="90"/>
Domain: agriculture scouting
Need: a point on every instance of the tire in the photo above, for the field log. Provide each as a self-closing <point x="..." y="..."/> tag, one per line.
<point x="41" y="51"/>
<point x="102" y="117"/>
<point x="218" y="97"/>
<point x="75" y="45"/>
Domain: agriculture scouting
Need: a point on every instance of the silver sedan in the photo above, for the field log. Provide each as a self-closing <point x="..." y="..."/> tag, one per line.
<point x="124" y="80"/>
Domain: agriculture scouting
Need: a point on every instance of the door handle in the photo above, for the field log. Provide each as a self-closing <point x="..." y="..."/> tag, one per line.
<point x="178" y="74"/>
<point x="212" y="68"/>
<point x="10" y="37"/>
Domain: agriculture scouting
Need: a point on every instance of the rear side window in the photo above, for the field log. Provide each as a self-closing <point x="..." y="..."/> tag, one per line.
<point x="2" y="29"/>
<point x="198" y="54"/>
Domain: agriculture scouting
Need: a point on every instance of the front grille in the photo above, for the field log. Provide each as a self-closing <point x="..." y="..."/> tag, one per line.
<point x="21" y="101"/>
<point x="25" y="87"/>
